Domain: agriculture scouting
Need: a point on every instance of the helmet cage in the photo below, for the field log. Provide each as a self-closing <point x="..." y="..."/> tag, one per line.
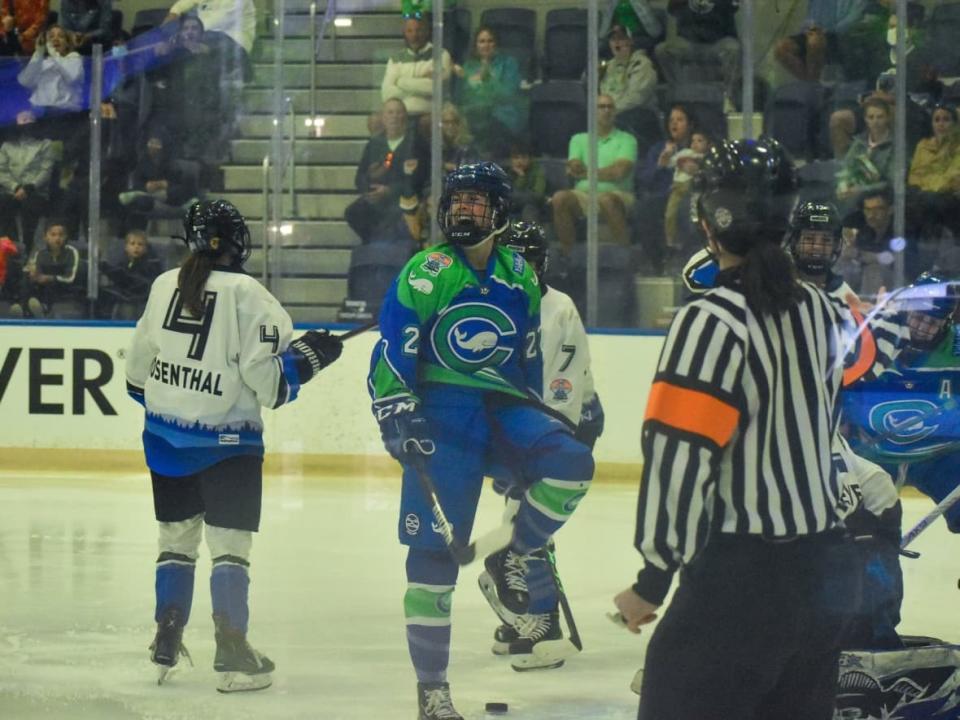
<point x="484" y="180"/>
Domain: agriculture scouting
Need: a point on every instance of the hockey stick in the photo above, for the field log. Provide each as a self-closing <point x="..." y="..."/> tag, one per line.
<point x="948" y="502"/>
<point x="567" y="647"/>
<point x="358" y="330"/>
<point x="487" y="544"/>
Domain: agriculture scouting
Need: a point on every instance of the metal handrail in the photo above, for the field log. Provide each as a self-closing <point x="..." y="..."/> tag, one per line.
<point x="292" y="160"/>
<point x="265" y="239"/>
<point x="93" y="199"/>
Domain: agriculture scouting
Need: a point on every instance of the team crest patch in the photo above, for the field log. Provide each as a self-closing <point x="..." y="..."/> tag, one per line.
<point x="411" y="523"/>
<point x="423" y="285"/>
<point x="561" y="389"/>
<point x="436" y="262"/>
<point x="723" y="217"/>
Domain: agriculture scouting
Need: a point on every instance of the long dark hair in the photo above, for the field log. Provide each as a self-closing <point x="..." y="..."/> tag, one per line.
<point x="192" y="280"/>
<point x="769" y="279"/>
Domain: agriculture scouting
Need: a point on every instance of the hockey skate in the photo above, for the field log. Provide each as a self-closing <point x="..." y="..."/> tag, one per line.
<point x="240" y="666"/>
<point x="435" y="702"/>
<point x="167" y="645"/>
<point x="504" y="585"/>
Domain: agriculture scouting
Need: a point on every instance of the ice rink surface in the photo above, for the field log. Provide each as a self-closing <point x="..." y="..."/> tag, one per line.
<point x="76" y="570"/>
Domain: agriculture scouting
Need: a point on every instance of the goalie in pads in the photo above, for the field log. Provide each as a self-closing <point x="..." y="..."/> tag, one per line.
<point x="212" y="347"/>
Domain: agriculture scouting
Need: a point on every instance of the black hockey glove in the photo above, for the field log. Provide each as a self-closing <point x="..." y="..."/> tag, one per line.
<point x="405" y="432"/>
<point x="591" y="422"/>
<point x="313" y="351"/>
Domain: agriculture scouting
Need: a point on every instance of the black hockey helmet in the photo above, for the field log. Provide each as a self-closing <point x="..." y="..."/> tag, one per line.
<point x="213" y="226"/>
<point x="530" y="241"/>
<point x="745" y="192"/>
<point x="815" y="217"/>
<point x="484" y="178"/>
<point x="931" y="302"/>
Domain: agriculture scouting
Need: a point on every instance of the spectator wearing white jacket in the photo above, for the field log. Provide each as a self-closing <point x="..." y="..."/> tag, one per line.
<point x="54" y="73"/>
<point x="409" y="74"/>
<point x="629" y="77"/>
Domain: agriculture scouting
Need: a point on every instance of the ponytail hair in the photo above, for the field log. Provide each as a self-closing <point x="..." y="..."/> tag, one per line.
<point x="192" y="280"/>
<point x="769" y="278"/>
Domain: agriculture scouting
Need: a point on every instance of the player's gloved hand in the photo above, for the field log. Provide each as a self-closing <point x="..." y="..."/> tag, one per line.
<point x="591" y="422"/>
<point x="313" y="351"/>
<point x="405" y="431"/>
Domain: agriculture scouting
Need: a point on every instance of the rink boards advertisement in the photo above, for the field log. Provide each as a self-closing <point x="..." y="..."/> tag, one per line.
<point x="63" y="386"/>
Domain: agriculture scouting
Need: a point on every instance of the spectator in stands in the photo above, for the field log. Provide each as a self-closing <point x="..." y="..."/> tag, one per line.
<point x="382" y="175"/>
<point x="629" y="76"/>
<point x="458" y="146"/>
<point x="22" y="21"/>
<point x="867" y="259"/>
<point x="237" y="19"/>
<point x="655" y="180"/>
<point x="26" y="169"/>
<point x="934" y="180"/>
<point x="9" y="43"/>
<point x="489" y="95"/>
<point x="529" y="184"/>
<point x="54" y="73"/>
<point x="409" y="74"/>
<point x="51" y="276"/>
<point x="706" y="36"/>
<point x="868" y="164"/>
<point x="131" y="276"/>
<point x="90" y="21"/>
<point x="616" y="159"/>
<point x="686" y="164"/>
<point x="630" y="14"/>
<point x="821" y="38"/>
<point x="9" y="271"/>
<point x="157" y="180"/>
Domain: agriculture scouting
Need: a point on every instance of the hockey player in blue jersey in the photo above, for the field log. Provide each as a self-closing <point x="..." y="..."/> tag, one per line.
<point x="569" y="390"/>
<point x="450" y="379"/>
<point x="212" y="347"/>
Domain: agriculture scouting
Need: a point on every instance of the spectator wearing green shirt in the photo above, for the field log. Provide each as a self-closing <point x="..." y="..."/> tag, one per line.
<point x="616" y="157"/>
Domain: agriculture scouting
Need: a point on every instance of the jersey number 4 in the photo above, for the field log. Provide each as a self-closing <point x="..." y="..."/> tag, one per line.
<point x="177" y="320"/>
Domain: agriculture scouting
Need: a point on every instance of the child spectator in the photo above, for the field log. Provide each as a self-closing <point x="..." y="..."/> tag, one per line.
<point x="26" y="167"/>
<point x="529" y="184"/>
<point x="21" y="22"/>
<point x="686" y="164"/>
<point x="131" y="276"/>
<point x="51" y="275"/>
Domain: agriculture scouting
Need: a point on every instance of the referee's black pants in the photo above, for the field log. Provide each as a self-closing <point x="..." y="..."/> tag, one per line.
<point x="753" y="632"/>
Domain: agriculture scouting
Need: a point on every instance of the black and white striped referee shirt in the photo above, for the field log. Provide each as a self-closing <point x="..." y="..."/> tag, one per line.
<point x="740" y="421"/>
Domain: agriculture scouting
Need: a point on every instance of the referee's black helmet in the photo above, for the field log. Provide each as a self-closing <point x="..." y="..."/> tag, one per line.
<point x="745" y="193"/>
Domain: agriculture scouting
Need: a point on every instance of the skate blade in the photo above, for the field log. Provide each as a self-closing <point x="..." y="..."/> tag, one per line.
<point x="164" y="672"/>
<point x="231" y="682"/>
<point x="527" y="663"/>
<point x="489" y="590"/>
<point x="555" y="649"/>
<point x="637" y="681"/>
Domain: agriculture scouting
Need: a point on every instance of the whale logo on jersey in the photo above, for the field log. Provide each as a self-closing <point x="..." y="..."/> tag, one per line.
<point x="423" y="285"/>
<point x="472" y="336"/>
<point x="904" y="420"/>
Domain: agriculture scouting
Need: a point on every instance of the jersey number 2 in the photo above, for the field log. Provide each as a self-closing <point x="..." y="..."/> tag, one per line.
<point x="179" y="321"/>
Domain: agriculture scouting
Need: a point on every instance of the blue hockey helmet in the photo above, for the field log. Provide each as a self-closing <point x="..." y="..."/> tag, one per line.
<point x="813" y="258"/>
<point x="745" y="192"/>
<point x="530" y="241"/>
<point x="213" y="227"/>
<point x="482" y="192"/>
<point x="931" y="302"/>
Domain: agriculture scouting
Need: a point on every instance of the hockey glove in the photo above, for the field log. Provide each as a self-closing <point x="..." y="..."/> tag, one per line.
<point x="591" y="422"/>
<point x="313" y="351"/>
<point x="405" y="432"/>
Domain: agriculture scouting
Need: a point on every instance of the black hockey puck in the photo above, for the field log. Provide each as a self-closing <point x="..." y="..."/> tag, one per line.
<point x="497" y="708"/>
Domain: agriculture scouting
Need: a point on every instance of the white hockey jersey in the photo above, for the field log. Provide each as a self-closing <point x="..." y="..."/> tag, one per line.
<point x="203" y="380"/>
<point x="567" y="380"/>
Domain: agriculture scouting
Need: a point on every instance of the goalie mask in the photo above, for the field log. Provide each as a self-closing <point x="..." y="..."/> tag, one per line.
<point x="745" y="192"/>
<point x="815" y="238"/>
<point x="474" y="204"/>
<point x="931" y="303"/>
<point x="212" y="227"/>
<point x="529" y="240"/>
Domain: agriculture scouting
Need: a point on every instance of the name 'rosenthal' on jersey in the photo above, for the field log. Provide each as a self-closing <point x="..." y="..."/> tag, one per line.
<point x="203" y="380"/>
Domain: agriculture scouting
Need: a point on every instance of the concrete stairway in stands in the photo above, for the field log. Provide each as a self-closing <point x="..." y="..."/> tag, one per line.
<point x="348" y="76"/>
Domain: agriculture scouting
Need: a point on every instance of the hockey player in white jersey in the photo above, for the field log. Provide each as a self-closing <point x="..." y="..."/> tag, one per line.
<point x="212" y="347"/>
<point x="568" y="389"/>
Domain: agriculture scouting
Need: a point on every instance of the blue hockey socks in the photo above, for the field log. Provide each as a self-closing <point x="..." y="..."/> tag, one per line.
<point x="547" y="505"/>
<point x="174" y="584"/>
<point x="426" y="605"/>
<point x="229" y="585"/>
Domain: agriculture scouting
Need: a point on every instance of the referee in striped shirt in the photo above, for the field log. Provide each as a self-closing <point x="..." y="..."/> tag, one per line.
<point x="739" y="491"/>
